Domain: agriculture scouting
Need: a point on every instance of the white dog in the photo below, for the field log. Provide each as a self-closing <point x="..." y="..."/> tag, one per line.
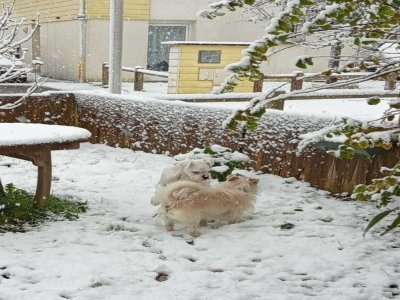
<point x="197" y="170"/>
<point x="192" y="203"/>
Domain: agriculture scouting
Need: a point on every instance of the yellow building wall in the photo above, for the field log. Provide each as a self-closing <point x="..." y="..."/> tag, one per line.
<point x="189" y="69"/>
<point x="62" y="10"/>
<point x="133" y="9"/>
<point x="50" y="10"/>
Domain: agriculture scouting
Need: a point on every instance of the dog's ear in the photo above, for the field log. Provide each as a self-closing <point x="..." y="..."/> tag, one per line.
<point x="232" y="178"/>
<point x="254" y="180"/>
<point x="170" y="174"/>
<point x="186" y="164"/>
<point x="209" y="162"/>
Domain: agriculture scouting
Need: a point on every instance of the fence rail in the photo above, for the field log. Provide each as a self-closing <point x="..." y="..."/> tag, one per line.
<point x="297" y="79"/>
<point x="138" y="75"/>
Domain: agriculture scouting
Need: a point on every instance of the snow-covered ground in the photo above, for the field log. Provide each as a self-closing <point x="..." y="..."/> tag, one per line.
<point x="116" y="250"/>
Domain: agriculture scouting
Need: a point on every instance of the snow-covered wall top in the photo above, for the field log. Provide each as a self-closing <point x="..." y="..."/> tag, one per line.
<point x="177" y="127"/>
<point x="207" y="43"/>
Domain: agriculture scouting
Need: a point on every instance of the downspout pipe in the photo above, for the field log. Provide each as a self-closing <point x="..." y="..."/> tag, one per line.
<point x="115" y="50"/>
<point x="82" y="17"/>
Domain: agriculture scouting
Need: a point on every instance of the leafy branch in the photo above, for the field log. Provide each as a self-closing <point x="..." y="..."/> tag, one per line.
<point x="371" y="28"/>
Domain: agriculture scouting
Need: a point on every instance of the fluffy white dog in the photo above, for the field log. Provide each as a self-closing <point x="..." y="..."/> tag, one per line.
<point x="197" y="170"/>
<point x="193" y="203"/>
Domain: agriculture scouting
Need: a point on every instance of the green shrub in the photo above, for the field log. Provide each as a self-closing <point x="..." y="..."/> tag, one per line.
<point x="224" y="160"/>
<point x="17" y="210"/>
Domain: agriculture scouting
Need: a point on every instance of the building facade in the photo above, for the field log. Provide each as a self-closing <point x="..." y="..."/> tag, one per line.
<point x="73" y="37"/>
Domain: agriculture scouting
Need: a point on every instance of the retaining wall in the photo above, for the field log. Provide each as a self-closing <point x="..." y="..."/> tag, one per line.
<point x="174" y="127"/>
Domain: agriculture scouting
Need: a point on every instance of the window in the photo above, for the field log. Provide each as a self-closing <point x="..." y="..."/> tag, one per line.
<point x="157" y="53"/>
<point x="209" y="57"/>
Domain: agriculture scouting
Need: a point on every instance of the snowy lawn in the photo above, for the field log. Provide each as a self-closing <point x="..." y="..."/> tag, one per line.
<point x="116" y="250"/>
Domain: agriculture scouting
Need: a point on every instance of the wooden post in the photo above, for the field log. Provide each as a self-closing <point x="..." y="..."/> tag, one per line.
<point x="258" y="85"/>
<point x="331" y="79"/>
<point x="276" y="104"/>
<point x="104" y="75"/>
<point x="297" y="81"/>
<point x="138" y="79"/>
<point x="391" y="81"/>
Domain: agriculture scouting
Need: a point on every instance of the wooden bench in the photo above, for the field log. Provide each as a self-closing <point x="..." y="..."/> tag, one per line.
<point x="34" y="142"/>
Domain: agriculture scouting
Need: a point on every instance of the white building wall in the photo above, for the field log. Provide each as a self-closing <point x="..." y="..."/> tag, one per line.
<point x="60" y="49"/>
<point x="227" y="28"/>
<point x="285" y="61"/>
<point x="134" y="47"/>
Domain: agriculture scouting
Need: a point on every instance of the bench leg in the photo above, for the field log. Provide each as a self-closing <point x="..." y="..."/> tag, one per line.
<point x="44" y="179"/>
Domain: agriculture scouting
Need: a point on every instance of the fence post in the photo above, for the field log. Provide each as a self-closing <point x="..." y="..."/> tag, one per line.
<point x="258" y="85"/>
<point x="104" y="75"/>
<point x="391" y="81"/>
<point x="138" y="79"/>
<point x="297" y="81"/>
<point x="276" y="104"/>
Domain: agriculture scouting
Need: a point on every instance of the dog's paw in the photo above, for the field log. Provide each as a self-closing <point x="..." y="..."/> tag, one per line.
<point x="203" y="223"/>
<point x="194" y="233"/>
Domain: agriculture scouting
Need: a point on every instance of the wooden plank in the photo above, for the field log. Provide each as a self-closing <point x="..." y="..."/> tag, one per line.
<point x="6" y="150"/>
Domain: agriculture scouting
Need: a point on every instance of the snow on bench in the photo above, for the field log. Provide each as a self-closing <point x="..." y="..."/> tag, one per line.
<point x="14" y="134"/>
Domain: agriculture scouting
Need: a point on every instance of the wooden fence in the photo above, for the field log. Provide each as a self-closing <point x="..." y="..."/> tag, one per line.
<point x="138" y="75"/>
<point x="297" y="79"/>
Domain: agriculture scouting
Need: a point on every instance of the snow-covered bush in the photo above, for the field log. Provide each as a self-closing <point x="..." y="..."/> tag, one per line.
<point x="224" y="160"/>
